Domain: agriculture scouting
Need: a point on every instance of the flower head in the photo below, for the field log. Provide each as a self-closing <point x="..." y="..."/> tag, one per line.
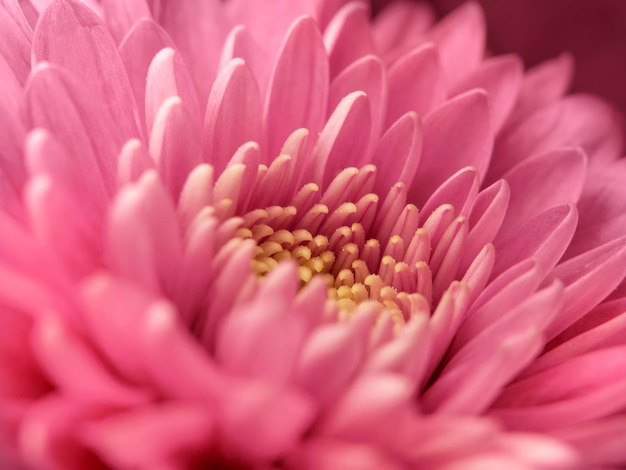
<point x="241" y="237"/>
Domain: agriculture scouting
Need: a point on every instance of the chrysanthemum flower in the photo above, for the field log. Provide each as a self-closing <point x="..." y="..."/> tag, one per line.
<point x="242" y="235"/>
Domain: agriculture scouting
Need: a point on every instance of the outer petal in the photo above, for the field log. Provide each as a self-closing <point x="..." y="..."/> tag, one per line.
<point x="456" y="135"/>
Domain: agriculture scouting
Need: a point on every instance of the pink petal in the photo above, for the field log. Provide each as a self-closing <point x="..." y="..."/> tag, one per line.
<point x="543" y="84"/>
<point x="577" y="120"/>
<point x="400" y="24"/>
<point x="369" y="75"/>
<point x="501" y="77"/>
<point x="414" y="83"/>
<point x="139" y="47"/>
<point x="81" y="123"/>
<point x="143" y="241"/>
<point x="398" y="152"/>
<point x="167" y="77"/>
<point x="75" y="244"/>
<point x="199" y="31"/>
<point x="328" y="454"/>
<point x="556" y="177"/>
<point x="145" y="437"/>
<point x="344" y="140"/>
<point x="502" y="294"/>
<point x="460" y="41"/>
<point x="298" y="90"/>
<point x="174" y="144"/>
<point x="319" y="371"/>
<point x="263" y="421"/>
<point x="602" y="208"/>
<point x="459" y="191"/>
<point x="456" y="135"/>
<point x="134" y="161"/>
<point x="347" y="37"/>
<point x="226" y="128"/>
<point x="76" y="369"/>
<point x="121" y="16"/>
<point x="69" y="34"/>
<point x="264" y="339"/>
<point x="486" y="216"/>
<point x="543" y="237"/>
<point x="17" y="34"/>
<point x="588" y="278"/>
<point x="197" y="193"/>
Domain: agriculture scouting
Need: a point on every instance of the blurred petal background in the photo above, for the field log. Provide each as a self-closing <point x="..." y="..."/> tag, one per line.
<point x="594" y="31"/>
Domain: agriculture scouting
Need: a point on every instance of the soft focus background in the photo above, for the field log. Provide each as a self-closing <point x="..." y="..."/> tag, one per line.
<point x="594" y="31"/>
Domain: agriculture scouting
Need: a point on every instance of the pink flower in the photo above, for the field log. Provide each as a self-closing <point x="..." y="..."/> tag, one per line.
<point x="241" y="237"/>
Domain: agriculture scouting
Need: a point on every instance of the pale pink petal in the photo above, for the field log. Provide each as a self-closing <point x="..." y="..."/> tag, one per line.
<point x="347" y="37"/>
<point x="134" y="161"/>
<point x="414" y="83"/>
<point x="175" y="144"/>
<point x="137" y="50"/>
<point x="167" y="77"/>
<point x="456" y="135"/>
<point x="226" y="128"/>
<point x="69" y="34"/>
<point x="401" y="23"/>
<point x="501" y="77"/>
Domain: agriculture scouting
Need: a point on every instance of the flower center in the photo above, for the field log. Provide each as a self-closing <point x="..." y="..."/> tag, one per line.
<point x="359" y="265"/>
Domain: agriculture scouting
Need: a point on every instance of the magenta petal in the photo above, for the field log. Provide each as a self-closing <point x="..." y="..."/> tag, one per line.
<point x="347" y="37"/>
<point x="298" y="90"/>
<point x="460" y="40"/>
<point x="556" y="177"/>
<point x="456" y="135"/>
<point x="146" y="437"/>
<point x="544" y="237"/>
<point x="226" y="128"/>
<point x="398" y="153"/>
<point x="501" y="78"/>
<point x="174" y="144"/>
<point x="55" y="101"/>
<point x="414" y="83"/>
<point x="69" y="34"/>
<point x="344" y="141"/>
<point x="369" y="75"/>
<point x="168" y="76"/>
<point x="588" y="278"/>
